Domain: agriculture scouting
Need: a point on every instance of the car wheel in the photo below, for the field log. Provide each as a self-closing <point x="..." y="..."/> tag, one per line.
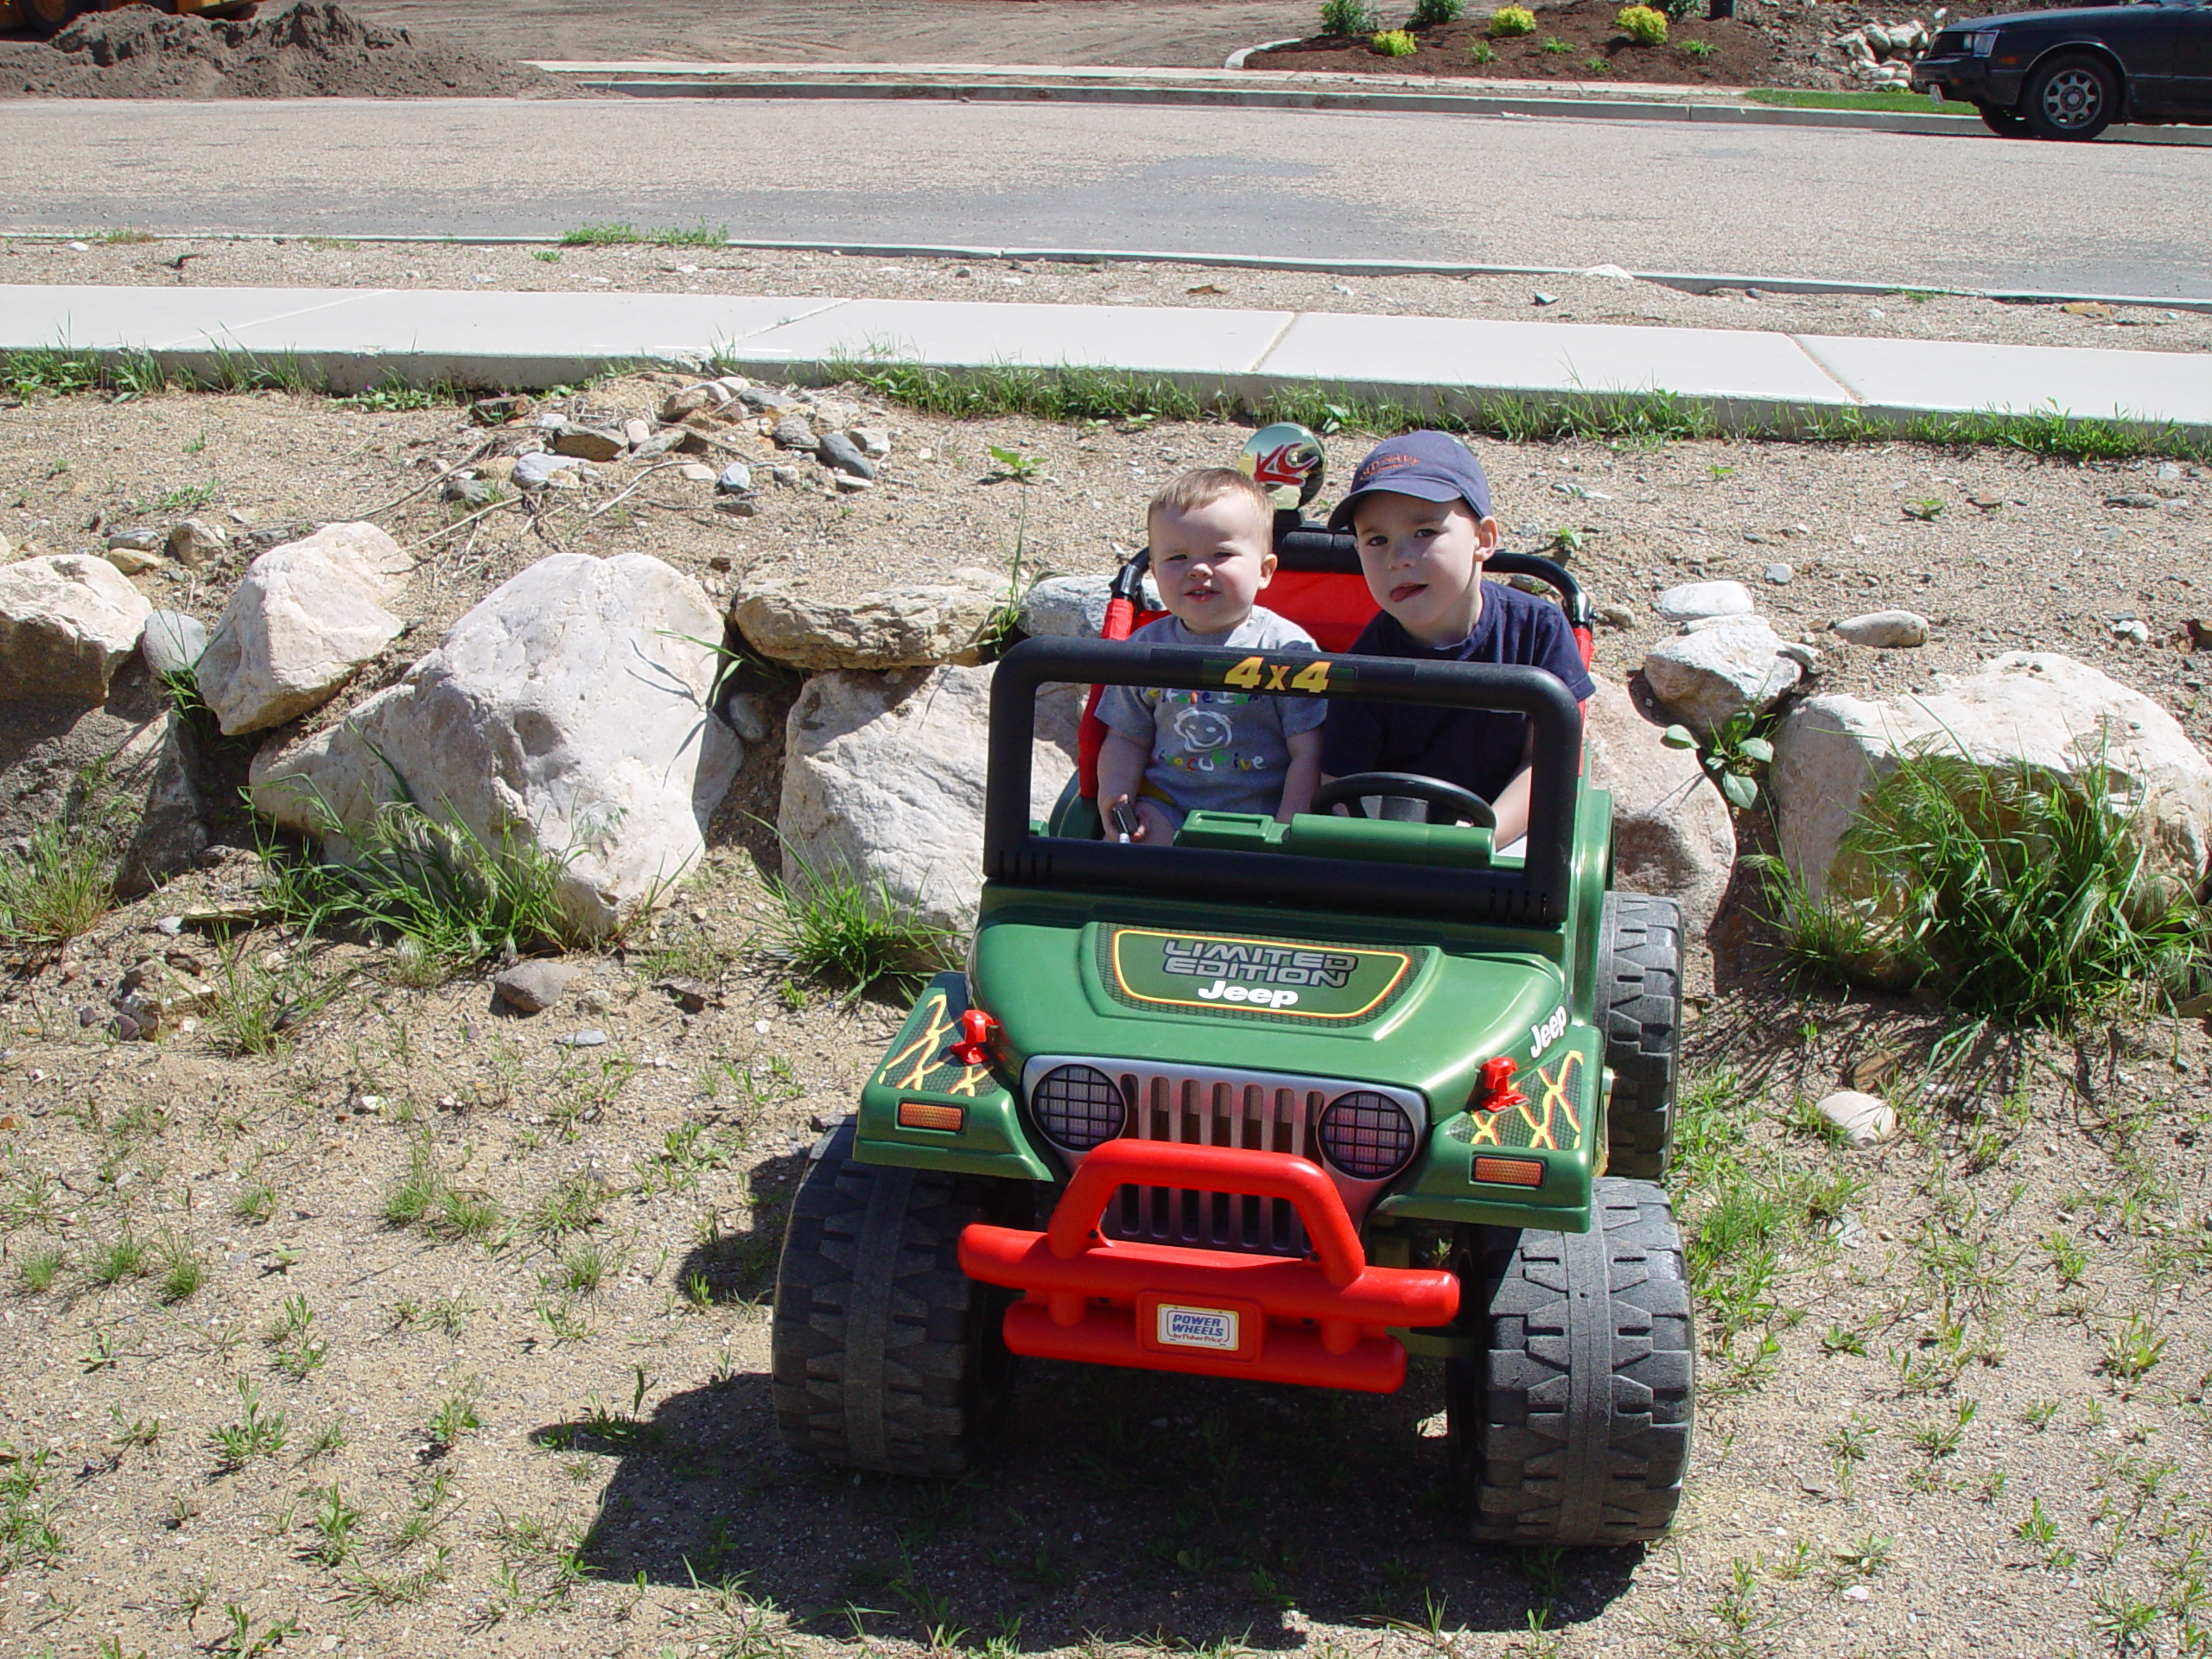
<point x="2005" y="123"/>
<point x="45" y="17"/>
<point x="2073" y="97"/>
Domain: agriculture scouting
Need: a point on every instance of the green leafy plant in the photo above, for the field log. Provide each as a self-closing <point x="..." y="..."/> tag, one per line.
<point x="29" y="1531"/>
<point x="1393" y="43"/>
<point x="1736" y="754"/>
<point x="257" y="1434"/>
<point x="1349" y="17"/>
<point x="1641" y="24"/>
<point x="1598" y="66"/>
<point x="837" y="924"/>
<point x="1556" y="47"/>
<point x="1482" y="52"/>
<point x="600" y="236"/>
<point x="1427" y="14"/>
<point x="1507" y="21"/>
<point x="1926" y="511"/>
<point x="1012" y="465"/>
<point x="546" y="255"/>
<point x="2012" y="891"/>
<point x="1700" y="49"/>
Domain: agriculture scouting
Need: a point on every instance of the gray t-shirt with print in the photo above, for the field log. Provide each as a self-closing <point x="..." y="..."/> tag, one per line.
<point x="1219" y="751"/>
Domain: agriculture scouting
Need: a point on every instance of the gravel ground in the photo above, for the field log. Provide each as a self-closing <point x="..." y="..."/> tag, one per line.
<point x="322" y="263"/>
<point x="1914" y="1438"/>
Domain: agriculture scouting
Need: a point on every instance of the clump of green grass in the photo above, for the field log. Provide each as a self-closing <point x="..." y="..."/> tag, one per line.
<point x="257" y="1434"/>
<point x="600" y="236"/>
<point x="455" y="1415"/>
<point x="28" y="1533"/>
<point x="1700" y="49"/>
<point x="2013" y="891"/>
<point x="58" y="887"/>
<point x="183" y="1271"/>
<point x="1482" y="52"/>
<point x="256" y="1007"/>
<point x="424" y="1197"/>
<point x="38" y="1268"/>
<point x="124" y="1256"/>
<point x="571" y="1207"/>
<point x="838" y="926"/>
<point x="448" y="896"/>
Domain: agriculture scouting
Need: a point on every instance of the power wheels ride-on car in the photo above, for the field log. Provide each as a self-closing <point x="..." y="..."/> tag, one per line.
<point x="1287" y="1102"/>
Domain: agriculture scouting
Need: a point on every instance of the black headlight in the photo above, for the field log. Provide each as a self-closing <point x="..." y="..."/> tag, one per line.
<point x="1078" y="1107"/>
<point x="1367" y="1136"/>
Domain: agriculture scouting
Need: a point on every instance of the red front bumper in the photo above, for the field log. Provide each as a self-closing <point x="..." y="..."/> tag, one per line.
<point x="1163" y="1307"/>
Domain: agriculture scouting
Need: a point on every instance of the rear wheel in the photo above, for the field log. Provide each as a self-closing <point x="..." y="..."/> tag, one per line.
<point x="886" y="1356"/>
<point x="1575" y="1426"/>
<point x="2005" y="123"/>
<point x="45" y="17"/>
<point x="1640" y="1014"/>
<point x="2072" y="97"/>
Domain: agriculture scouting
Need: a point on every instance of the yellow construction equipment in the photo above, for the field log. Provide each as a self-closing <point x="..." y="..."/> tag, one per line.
<point x="44" y="17"/>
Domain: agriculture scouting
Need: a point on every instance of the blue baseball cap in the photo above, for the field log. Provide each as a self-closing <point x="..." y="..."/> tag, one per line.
<point x="1428" y="465"/>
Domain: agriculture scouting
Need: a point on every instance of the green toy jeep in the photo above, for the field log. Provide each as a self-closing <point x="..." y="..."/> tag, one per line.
<point x="1289" y="1102"/>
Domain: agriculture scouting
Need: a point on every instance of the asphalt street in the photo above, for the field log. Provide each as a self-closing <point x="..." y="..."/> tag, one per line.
<point x="1908" y="210"/>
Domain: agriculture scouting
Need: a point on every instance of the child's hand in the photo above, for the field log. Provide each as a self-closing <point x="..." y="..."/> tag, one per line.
<point x="1151" y="824"/>
<point x="1122" y="820"/>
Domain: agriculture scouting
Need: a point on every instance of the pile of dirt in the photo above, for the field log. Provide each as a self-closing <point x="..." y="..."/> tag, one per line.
<point x="309" y="49"/>
<point x="1778" y="45"/>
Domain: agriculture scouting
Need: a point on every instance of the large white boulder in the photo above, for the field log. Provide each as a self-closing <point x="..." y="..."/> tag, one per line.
<point x="900" y="627"/>
<point x="883" y="779"/>
<point x="1672" y="833"/>
<point x="569" y="706"/>
<point x="2045" y="709"/>
<point x="67" y="620"/>
<point x="1712" y="671"/>
<point x="303" y="618"/>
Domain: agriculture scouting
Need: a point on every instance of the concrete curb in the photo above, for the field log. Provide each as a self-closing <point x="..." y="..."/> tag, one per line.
<point x="352" y="339"/>
<point x="1259" y="89"/>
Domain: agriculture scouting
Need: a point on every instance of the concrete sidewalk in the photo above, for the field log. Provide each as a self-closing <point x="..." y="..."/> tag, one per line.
<point x="355" y="338"/>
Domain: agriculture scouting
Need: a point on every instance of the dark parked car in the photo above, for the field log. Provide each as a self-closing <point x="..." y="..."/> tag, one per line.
<point x="2071" y="75"/>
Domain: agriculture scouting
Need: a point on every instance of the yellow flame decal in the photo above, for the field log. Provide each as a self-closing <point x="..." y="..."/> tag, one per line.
<point x="937" y="1026"/>
<point x="1557" y="1097"/>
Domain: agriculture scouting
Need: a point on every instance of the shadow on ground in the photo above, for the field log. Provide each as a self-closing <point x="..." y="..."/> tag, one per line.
<point x="1124" y="1505"/>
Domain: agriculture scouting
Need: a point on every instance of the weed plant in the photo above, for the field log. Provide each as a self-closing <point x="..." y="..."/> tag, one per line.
<point x="837" y="925"/>
<point x="1699" y="49"/>
<point x="1349" y="17"/>
<point x="28" y="1532"/>
<point x="2011" y="891"/>
<point x="1482" y="53"/>
<point x="257" y="1006"/>
<point x="57" y="887"/>
<point x="1429" y="14"/>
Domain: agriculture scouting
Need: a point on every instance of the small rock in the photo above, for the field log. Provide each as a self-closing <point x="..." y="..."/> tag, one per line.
<point x="173" y="642"/>
<point x="539" y="469"/>
<point x="851" y="485"/>
<point x="1780" y="575"/>
<point x="1865" y="1120"/>
<point x="761" y="401"/>
<point x="2132" y="630"/>
<point x="498" y="411"/>
<point x="172" y="926"/>
<point x="1542" y="298"/>
<point x="876" y="443"/>
<point x="132" y="562"/>
<point x="587" y="1038"/>
<point x="660" y="444"/>
<point x="469" y="492"/>
<point x="2132" y="498"/>
<point x="786" y="476"/>
<point x="533" y="987"/>
<point x="1884" y="630"/>
<point x="589" y="443"/>
<point x="796" y="432"/>
<point x="1615" y="616"/>
<point x="1696" y="599"/>
<point x="1857" y="1592"/>
<point x="736" y="479"/>
<point x="691" y="401"/>
<point x="194" y="542"/>
<point x="635" y="432"/>
<point x="748" y="715"/>
<point x="739" y="506"/>
<point x="695" y="472"/>
<point x="835" y="449"/>
<point x="142" y="540"/>
<point x="1804" y="656"/>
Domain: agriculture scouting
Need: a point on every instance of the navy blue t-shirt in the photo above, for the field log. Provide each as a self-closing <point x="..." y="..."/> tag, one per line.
<point x="1475" y="748"/>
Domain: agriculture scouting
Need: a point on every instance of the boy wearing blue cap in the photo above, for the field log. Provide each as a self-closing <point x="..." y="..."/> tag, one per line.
<point x="1420" y="510"/>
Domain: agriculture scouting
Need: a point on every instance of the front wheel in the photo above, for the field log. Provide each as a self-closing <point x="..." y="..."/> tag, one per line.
<point x="46" y="18"/>
<point x="2005" y="123"/>
<point x="2075" y="97"/>
<point x="1640" y="1016"/>
<point x="885" y="1355"/>
<point x="1574" y="1426"/>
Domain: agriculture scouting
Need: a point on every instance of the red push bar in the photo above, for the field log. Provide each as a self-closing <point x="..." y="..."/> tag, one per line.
<point x="1163" y="1307"/>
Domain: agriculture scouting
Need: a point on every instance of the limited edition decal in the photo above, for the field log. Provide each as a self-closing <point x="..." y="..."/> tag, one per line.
<point x="1203" y="970"/>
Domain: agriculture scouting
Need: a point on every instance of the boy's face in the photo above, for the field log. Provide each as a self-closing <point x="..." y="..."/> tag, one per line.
<point x="1423" y="562"/>
<point x="1211" y="562"/>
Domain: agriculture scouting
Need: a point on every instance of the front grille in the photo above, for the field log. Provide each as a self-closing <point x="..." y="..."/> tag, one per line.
<point x="1200" y="1106"/>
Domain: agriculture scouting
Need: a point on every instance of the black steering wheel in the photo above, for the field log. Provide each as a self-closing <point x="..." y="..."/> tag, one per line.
<point x="1446" y="803"/>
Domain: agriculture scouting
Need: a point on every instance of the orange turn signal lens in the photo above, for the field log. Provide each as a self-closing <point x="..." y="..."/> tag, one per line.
<point x="928" y="1115"/>
<point x="1510" y="1171"/>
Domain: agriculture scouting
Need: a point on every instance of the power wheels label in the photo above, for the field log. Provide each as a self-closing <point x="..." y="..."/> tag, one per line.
<point x="1196" y="1327"/>
<point x="1220" y="974"/>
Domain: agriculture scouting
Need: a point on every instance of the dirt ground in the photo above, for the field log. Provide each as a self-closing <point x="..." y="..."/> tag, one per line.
<point x="306" y="49"/>
<point x="1933" y="1428"/>
<point x="113" y="255"/>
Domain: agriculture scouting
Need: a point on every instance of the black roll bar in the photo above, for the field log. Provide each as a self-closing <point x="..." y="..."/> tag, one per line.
<point x="1536" y="896"/>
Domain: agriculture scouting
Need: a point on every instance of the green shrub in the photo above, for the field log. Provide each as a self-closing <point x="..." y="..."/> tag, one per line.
<point x="1349" y="17"/>
<point x="1698" y="48"/>
<point x="1395" y="43"/>
<point x="1555" y="46"/>
<point x="1429" y="13"/>
<point x="2011" y="891"/>
<point x="1480" y="52"/>
<point x="1641" y="24"/>
<point x="1512" y="20"/>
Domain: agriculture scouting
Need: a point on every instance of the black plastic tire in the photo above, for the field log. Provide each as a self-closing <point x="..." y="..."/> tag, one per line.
<point x="2073" y="96"/>
<point x="1640" y="1015"/>
<point x="1574" y="1428"/>
<point x="885" y="1355"/>
<point x="46" y="18"/>
<point x="2005" y="123"/>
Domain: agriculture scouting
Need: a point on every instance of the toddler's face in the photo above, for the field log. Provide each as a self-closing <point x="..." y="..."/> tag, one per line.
<point x="1423" y="562"/>
<point x="1211" y="562"/>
